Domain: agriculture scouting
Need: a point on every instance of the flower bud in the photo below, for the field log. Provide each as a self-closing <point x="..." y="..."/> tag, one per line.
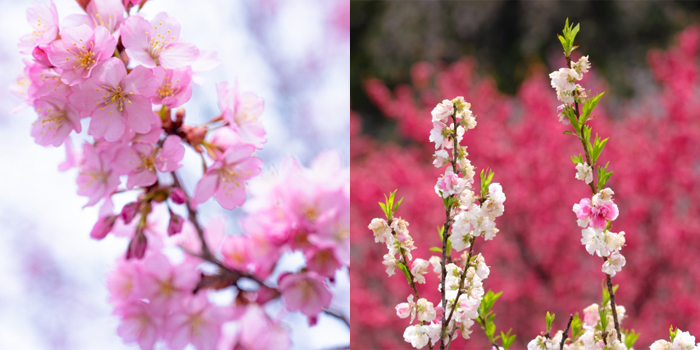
<point x="129" y="212"/>
<point x="103" y="226"/>
<point x="137" y="247"/>
<point x="175" y="224"/>
<point x="40" y="56"/>
<point x="178" y="196"/>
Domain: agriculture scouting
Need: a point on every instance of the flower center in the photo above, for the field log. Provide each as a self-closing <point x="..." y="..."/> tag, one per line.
<point x="115" y="98"/>
<point x="86" y="59"/>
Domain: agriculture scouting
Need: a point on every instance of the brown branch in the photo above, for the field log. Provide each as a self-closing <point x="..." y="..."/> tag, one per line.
<point x="593" y="189"/>
<point x="207" y="255"/>
<point x="566" y="331"/>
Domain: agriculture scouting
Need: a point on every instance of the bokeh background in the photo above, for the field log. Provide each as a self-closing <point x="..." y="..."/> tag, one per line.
<point x="295" y="55"/>
<point x="408" y="56"/>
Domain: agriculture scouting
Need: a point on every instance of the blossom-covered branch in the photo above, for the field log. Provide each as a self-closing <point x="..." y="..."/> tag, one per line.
<point x="127" y="76"/>
<point x="467" y="215"/>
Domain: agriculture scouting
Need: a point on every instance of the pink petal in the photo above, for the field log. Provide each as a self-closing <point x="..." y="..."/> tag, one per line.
<point x="110" y="72"/>
<point x="205" y="188"/>
<point x="139" y="114"/>
<point x="107" y="124"/>
<point x="178" y="55"/>
<point x="141" y="82"/>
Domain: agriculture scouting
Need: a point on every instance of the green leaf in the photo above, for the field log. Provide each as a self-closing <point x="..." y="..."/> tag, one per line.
<point x="672" y="333"/>
<point x="549" y="318"/>
<point x="569" y="132"/>
<point x="603" y="176"/>
<point x="603" y="319"/>
<point x="436" y="249"/>
<point x="405" y="272"/>
<point x="396" y="207"/>
<point x="440" y="230"/>
<point x="631" y="338"/>
<point x="507" y="339"/>
<point x="576" y="326"/>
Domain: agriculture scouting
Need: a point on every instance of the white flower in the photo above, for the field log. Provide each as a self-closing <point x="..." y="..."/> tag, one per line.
<point x="418" y="269"/>
<point x="660" y="345"/>
<point x="435" y="262"/>
<point x="425" y="310"/>
<point x="482" y="270"/>
<point x="442" y="111"/>
<point x="465" y="166"/>
<point x="591" y="316"/>
<point x="404" y="310"/>
<point x="582" y="65"/>
<point x="465" y="328"/>
<point x="602" y="197"/>
<point x="400" y="226"/>
<point x="614" y="264"/>
<point x="466" y="199"/>
<point x="592" y="239"/>
<point x="562" y="80"/>
<point x="380" y="228"/>
<point x="562" y="117"/>
<point x="416" y="335"/>
<point x="439" y="134"/>
<point x="496" y="193"/>
<point x="461" y="231"/>
<point x="390" y="263"/>
<point x="441" y="158"/>
<point x="433" y="331"/>
<point x="585" y="172"/>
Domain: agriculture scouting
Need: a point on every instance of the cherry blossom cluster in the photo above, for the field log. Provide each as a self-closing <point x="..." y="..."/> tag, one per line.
<point x="113" y="78"/>
<point x="595" y="332"/>
<point x="468" y="215"/>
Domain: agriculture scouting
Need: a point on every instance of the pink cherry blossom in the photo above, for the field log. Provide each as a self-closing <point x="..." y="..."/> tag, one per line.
<point x="236" y="251"/>
<point x="242" y="110"/>
<point x="139" y="324"/>
<point x="45" y="81"/>
<point x="40" y="56"/>
<point x="122" y="281"/>
<point x="96" y="180"/>
<point x="450" y="184"/>
<point x="174" y="87"/>
<point x="305" y="292"/>
<point x="197" y="322"/>
<point x="44" y="21"/>
<point x="258" y="332"/>
<point x="79" y="51"/>
<point x="225" y="179"/>
<point x="164" y="284"/>
<point x="141" y="160"/>
<point x="157" y="43"/>
<point x="596" y="216"/>
<point x="57" y="119"/>
<point x="105" y="13"/>
<point x="323" y="261"/>
<point x="116" y="100"/>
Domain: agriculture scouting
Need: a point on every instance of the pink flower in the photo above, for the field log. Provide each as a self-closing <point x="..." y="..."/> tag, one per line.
<point x="225" y="179"/>
<point x="450" y="184"/>
<point x="44" y="22"/>
<point x="45" y="81"/>
<point x="106" y="13"/>
<point x="96" y="179"/>
<point x="241" y="111"/>
<point x="116" y="100"/>
<point x="163" y="284"/>
<point x="79" y="50"/>
<point x="236" y="251"/>
<point x="138" y="324"/>
<point x="197" y="322"/>
<point x="122" y="282"/>
<point x="305" y="292"/>
<point x="141" y="160"/>
<point x="323" y="261"/>
<point x="156" y="43"/>
<point x="174" y="89"/>
<point x="103" y="226"/>
<point x="596" y="216"/>
<point x="601" y="214"/>
<point x="258" y="332"/>
<point x="56" y="120"/>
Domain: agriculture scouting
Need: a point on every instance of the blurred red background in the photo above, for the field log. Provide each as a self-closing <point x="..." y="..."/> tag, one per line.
<point x="537" y="259"/>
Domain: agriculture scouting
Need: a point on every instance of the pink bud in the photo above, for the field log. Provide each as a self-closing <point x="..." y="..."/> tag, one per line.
<point x="137" y="247"/>
<point x="313" y="320"/>
<point x="175" y="225"/>
<point x="129" y="212"/>
<point x="103" y="226"/>
<point x="178" y="196"/>
<point x="266" y="294"/>
<point x="40" y="56"/>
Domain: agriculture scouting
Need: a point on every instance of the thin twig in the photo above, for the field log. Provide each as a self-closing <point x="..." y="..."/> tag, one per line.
<point x="566" y="331"/>
<point x="208" y="256"/>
